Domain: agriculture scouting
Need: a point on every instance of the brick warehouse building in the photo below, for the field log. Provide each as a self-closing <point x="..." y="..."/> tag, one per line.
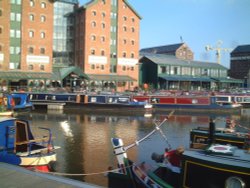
<point x="107" y="43"/>
<point x="105" y="35"/>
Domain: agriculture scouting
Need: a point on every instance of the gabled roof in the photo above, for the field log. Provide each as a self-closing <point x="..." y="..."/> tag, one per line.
<point x="241" y="49"/>
<point x="93" y="2"/>
<point x="62" y="72"/>
<point x="162" y="59"/>
<point x="162" y="49"/>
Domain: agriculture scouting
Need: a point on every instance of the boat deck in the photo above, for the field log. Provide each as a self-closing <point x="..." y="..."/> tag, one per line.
<point x="238" y="158"/>
<point x="14" y="176"/>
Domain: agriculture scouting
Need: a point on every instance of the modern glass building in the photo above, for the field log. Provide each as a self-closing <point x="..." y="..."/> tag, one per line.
<point x="63" y="34"/>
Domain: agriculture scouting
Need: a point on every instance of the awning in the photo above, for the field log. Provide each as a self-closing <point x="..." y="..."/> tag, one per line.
<point x="18" y="75"/>
<point x="107" y="77"/>
<point x="228" y="80"/>
<point x="186" y="78"/>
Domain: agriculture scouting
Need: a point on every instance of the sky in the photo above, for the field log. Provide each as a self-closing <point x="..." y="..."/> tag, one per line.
<point x="197" y="23"/>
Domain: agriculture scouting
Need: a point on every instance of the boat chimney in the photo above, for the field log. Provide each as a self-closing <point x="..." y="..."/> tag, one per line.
<point x="211" y="131"/>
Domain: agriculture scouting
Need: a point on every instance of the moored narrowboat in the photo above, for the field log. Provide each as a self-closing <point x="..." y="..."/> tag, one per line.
<point x="199" y="137"/>
<point x="19" y="101"/>
<point x="199" y="102"/>
<point x="18" y="146"/>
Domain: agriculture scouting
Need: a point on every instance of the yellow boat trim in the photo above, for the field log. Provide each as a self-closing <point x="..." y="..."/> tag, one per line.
<point x="216" y="168"/>
<point x="197" y="136"/>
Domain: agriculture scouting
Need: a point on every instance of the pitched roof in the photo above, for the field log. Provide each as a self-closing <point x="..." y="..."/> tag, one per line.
<point x="162" y="49"/>
<point x="241" y="49"/>
<point x="62" y="72"/>
<point x="162" y="59"/>
<point x="92" y="2"/>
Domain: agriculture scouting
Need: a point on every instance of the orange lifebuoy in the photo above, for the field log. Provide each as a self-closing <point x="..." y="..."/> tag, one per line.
<point x="12" y="102"/>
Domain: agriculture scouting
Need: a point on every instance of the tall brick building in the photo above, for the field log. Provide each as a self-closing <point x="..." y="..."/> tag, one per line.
<point x="26" y="38"/>
<point x="107" y="43"/>
<point x="101" y="37"/>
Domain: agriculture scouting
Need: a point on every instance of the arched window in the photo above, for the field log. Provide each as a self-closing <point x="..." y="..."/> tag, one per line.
<point x="42" y="18"/>
<point x="92" y="51"/>
<point x="42" y="67"/>
<point x="31" y="17"/>
<point x="93" y="37"/>
<point x="42" y="35"/>
<point x="42" y="50"/>
<point x="32" y="3"/>
<point x="103" y="25"/>
<point x="31" y="34"/>
<point x="93" y="24"/>
<point x="30" y="67"/>
<point x="102" y="39"/>
<point x="102" y="52"/>
<point x="94" y="13"/>
<point x="43" y="5"/>
<point x="31" y="50"/>
<point x="1" y="48"/>
<point x="124" y="54"/>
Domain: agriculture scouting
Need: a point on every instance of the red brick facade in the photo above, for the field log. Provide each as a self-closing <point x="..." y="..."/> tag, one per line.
<point x="94" y="42"/>
<point x="36" y="50"/>
<point x="4" y="34"/>
<point x="42" y="40"/>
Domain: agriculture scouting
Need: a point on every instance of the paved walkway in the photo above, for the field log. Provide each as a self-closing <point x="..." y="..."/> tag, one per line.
<point x="17" y="177"/>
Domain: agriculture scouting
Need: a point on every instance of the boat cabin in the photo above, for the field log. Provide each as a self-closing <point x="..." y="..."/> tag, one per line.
<point x="16" y="137"/>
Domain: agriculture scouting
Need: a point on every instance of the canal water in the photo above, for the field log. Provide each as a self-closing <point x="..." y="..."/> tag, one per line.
<point x="85" y="136"/>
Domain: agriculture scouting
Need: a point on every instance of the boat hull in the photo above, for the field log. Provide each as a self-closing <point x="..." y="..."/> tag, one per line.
<point x="206" y="171"/>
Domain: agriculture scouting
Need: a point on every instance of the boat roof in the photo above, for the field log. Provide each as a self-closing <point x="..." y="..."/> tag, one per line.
<point x="238" y="158"/>
<point x="2" y="119"/>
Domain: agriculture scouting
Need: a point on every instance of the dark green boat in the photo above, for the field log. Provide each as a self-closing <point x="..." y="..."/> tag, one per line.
<point x="217" y="166"/>
<point x="199" y="137"/>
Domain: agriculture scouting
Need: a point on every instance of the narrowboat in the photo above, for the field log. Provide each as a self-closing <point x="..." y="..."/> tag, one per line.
<point x="199" y="102"/>
<point x="116" y="101"/>
<point x="243" y="99"/>
<point x="18" y="101"/>
<point x="91" y="100"/>
<point x="199" y="137"/>
<point x="18" y="146"/>
<point x="216" y="166"/>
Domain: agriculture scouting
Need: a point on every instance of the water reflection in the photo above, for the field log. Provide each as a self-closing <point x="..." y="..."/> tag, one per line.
<point x="84" y="137"/>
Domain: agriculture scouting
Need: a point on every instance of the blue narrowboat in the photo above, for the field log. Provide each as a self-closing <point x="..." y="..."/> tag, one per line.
<point x="19" y="101"/>
<point x="18" y="146"/>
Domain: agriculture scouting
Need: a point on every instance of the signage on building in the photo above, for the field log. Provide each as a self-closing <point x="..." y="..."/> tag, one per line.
<point x="127" y="61"/>
<point x="97" y="59"/>
<point x="1" y="57"/>
<point x="37" y="59"/>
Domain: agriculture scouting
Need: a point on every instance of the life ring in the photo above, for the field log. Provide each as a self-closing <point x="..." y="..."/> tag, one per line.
<point x="220" y="149"/>
<point x="12" y="102"/>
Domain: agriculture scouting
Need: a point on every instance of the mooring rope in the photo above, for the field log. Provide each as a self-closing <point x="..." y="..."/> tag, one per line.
<point x="85" y="174"/>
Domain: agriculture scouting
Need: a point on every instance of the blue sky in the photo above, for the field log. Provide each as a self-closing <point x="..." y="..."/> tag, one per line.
<point x="197" y="22"/>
